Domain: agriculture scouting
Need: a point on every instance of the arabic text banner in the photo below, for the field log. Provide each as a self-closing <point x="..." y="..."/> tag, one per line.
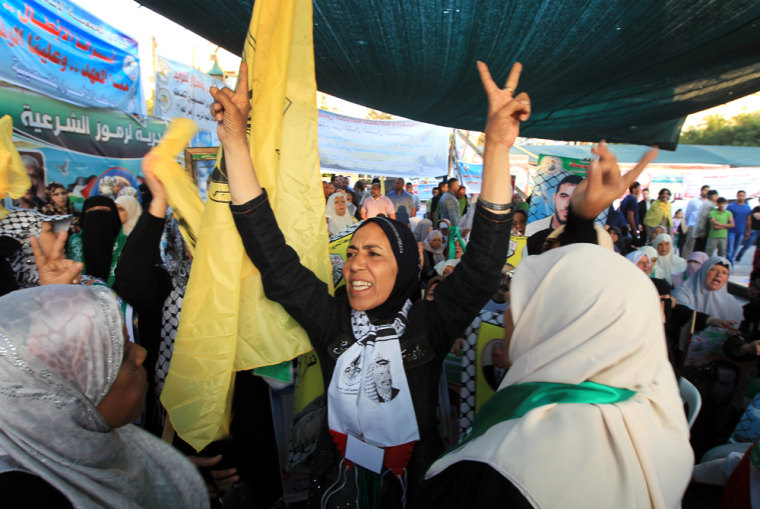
<point x="399" y="148"/>
<point x="58" y="49"/>
<point x="182" y="91"/>
<point x="70" y="142"/>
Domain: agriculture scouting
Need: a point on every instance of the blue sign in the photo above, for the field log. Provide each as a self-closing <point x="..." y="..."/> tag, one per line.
<point x="56" y="48"/>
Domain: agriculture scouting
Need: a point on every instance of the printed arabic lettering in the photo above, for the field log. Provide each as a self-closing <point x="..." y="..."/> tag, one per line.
<point x="103" y="57"/>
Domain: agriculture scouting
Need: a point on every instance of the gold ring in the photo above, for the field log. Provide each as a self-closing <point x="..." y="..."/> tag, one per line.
<point x="510" y="90"/>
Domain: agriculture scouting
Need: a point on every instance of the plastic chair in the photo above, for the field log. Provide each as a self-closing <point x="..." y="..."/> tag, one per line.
<point x="690" y="395"/>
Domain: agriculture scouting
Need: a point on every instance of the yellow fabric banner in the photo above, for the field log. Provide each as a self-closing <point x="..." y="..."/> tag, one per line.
<point x="516" y="246"/>
<point x="13" y="178"/>
<point x="181" y="191"/>
<point x="227" y="324"/>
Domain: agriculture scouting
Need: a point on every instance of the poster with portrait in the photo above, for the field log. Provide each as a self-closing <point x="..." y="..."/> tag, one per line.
<point x="483" y="340"/>
<point x="556" y="179"/>
<point x="516" y="246"/>
<point x="338" y="246"/>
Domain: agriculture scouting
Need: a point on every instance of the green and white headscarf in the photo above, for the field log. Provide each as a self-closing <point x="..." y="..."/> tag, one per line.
<point x="586" y="324"/>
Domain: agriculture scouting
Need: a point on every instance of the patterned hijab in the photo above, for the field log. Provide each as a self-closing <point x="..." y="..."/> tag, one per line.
<point x="61" y="349"/>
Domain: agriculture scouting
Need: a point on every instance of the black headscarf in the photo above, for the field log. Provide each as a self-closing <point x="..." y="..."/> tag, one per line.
<point x="407" y="256"/>
<point x="99" y="231"/>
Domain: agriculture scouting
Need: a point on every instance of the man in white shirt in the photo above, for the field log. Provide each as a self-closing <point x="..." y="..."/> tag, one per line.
<point x="690" y="217"/>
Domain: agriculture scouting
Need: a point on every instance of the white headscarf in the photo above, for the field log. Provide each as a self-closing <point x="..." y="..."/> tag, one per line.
<point x="446" y="263"/>
<point x="134" y="210"/>
<point x="695" y="295"/>
<point x="636" y="255"/>
<point x="338" y="223"/>
<point x="438" y="255"/>
<point x="583" y="313"/>
<point x="61" y="348"/>
<point x="652" y="254"/>
<point x="669" y="267"/>
<point x="421" y="230"/>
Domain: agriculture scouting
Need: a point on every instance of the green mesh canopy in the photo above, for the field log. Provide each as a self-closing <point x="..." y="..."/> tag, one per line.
<point x="628" y="71"/>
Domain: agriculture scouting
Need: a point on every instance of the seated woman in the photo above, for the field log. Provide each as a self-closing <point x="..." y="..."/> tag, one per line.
<point x="641" y="260"/>
<point x="706" y="292"/>
<point x="668" y="266"/>
<point x="72" y="384"/>
<point x="338" y="215"/>
<point x="589" y="413"/>
<point x="652" y="254"/>
<point x="694" y="262"/>
<point x="655" y="232"/>
<point x="424" y="226"/>
<point x="432" y="253"/>
<point x="381" y="354"/>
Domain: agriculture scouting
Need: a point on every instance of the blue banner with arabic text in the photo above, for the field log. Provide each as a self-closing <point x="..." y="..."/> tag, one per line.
<point x="56" y="48"/>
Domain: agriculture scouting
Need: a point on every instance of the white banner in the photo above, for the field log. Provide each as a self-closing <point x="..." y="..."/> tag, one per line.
<point x="398" y="148"/>
<point x="182" y="91"/>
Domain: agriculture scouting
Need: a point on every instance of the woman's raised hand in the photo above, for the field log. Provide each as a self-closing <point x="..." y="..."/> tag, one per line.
<point x="160" y="201"/>
<point x="505" y="110"/>
<point x="230" y="109"/>
<point x="604" y="183"/>
<point x="49" y="256"/>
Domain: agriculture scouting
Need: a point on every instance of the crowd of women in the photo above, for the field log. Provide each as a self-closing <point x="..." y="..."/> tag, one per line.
<point x="587" y="415"/>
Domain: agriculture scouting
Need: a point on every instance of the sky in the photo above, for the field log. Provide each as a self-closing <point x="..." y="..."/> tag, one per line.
<point x="180" y="45"/>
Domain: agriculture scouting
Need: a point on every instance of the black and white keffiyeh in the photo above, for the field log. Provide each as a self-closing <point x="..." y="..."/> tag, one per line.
<point x="369" y="396"/>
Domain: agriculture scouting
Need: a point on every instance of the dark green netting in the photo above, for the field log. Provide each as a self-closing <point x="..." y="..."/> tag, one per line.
<point x="627" y="71"/>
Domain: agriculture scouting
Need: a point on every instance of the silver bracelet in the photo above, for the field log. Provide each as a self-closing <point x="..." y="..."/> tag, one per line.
<point x="494" y="206"/>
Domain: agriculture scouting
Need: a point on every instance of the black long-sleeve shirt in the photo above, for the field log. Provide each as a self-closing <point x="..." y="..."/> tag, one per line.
<point x="431" y="330"/>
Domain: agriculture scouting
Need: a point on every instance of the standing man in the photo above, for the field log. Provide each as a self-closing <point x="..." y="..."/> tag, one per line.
<point x="403" y="202"/>
<point x="754" y="232"/>
<point x="629" y="207"/>
<point x="742" y="224"/>
<point x="644" y="204"/>
<point x="375" y="204"/>
<point x="702" y="228"/>
<point x="690" y="217"/>
<point x="721" y="221"/>
<point x="448" y="206"/>
<point x="429" y="204"/>
<point x="442" y="188"/>
<point x="415" y="196"/>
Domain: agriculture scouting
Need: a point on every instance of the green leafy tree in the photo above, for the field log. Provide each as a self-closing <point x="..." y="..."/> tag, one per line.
<point x="741" y="130"/>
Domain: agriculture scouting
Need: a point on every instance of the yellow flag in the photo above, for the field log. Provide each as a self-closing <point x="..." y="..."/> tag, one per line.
<point x="227" y="324"/>
<point x="13" y="178"/>
<point x="180" y="188"/>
